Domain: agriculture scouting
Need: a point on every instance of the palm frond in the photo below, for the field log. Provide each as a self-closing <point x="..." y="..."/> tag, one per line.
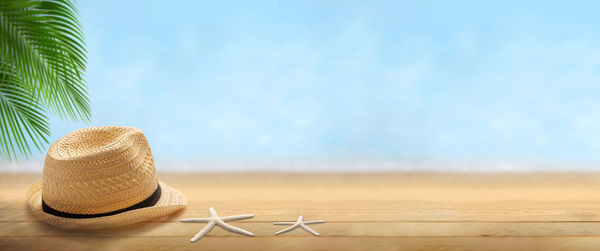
<point x="42" y="65"/>
<point x="22" y="121"/>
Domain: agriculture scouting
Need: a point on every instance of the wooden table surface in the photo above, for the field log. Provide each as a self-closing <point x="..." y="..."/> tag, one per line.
<point x="379" y="211"/>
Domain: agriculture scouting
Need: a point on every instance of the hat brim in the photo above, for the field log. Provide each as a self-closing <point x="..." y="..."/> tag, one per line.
<point x="171" y="200"/>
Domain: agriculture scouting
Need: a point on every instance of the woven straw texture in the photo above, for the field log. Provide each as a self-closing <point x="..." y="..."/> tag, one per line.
<point x="98" y="170"/>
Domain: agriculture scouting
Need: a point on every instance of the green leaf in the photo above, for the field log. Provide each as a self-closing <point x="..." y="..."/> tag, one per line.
<point x="42" y="66"/>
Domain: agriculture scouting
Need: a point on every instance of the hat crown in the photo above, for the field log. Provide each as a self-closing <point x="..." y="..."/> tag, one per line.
<point x="98" y="170"/>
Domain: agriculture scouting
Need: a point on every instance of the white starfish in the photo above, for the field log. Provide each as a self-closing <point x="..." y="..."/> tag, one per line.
<point x="214" y="219"/>
<point x="299" y="223"/>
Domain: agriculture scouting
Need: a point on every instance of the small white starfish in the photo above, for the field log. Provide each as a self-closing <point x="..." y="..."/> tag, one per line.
<point x="299" y="223"/>
<point x="214" y="219"/>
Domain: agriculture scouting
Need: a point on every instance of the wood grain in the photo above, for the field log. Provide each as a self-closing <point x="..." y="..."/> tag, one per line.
<point x="365" y="211"/>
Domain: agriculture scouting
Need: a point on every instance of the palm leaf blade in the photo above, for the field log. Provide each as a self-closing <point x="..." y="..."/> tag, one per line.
<point x="42" y="65"/>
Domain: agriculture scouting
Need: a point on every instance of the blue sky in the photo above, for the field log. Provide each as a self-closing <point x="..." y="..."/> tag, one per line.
<point x="335" y="80"/>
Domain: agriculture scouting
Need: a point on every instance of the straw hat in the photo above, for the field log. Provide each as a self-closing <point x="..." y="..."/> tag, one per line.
<point x="101" y="177"/>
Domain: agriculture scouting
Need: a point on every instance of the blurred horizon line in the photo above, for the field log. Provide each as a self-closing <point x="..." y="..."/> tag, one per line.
<point x="342" y="166"/>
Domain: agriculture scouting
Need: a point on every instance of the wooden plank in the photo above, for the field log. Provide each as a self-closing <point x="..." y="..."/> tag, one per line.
<point x="381" y="211"/>
<point x="359" y="211"/>
<point x="330" y="229"/>
<point x="301" y="243"/>
<point x="341" y="212"/>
